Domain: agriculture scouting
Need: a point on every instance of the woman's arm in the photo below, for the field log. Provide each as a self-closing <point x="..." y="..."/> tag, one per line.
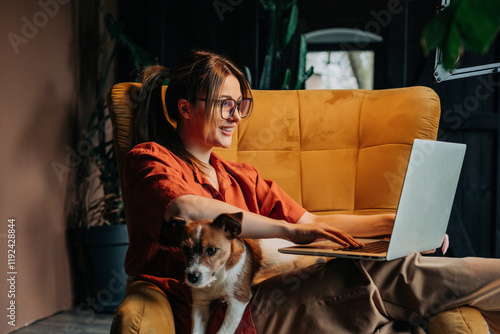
<point x="254" y="226"/>
<point x="359" y="226"/>
<point x="363" y="226"/>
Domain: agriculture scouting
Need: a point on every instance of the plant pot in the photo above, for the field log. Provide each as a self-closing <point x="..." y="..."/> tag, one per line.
<point x="106" y="278"/>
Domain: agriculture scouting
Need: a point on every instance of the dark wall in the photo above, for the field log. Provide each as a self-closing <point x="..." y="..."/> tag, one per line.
<point x="168" y="29"/>
<point x="470" y="106"/>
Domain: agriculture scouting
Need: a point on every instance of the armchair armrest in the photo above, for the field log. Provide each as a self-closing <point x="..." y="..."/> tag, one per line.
<point x="144" y="309"/>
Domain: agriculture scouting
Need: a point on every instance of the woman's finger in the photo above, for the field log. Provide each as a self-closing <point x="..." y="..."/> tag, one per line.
<point x="446" y="244"/>
<point x="343" y="238"/>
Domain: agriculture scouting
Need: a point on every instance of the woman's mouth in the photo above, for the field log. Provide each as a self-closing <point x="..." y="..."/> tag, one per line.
<point x="228" y="131"/>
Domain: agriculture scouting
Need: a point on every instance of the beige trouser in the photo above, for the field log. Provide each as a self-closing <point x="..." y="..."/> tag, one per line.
<point x="400" y="296"/>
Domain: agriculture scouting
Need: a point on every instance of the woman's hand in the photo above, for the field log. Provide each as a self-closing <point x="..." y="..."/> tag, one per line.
<point x="307" y="233"/>
<point x="444" y="246"/>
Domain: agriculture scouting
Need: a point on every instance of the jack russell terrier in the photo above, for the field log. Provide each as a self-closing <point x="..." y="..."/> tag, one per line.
<point x="221" y="266"/>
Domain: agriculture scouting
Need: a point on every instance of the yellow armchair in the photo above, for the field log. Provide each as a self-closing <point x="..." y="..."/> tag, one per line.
<point x="333" y="151"/>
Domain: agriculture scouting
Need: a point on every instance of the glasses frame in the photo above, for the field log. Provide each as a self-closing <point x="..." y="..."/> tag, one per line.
<point x="236" y="106"/>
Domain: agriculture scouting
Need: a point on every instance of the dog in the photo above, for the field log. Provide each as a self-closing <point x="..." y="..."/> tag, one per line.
<point x="221" y="266"/>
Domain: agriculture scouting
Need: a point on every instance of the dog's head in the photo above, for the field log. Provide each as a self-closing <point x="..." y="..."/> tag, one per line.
<point x="207" y="246"/>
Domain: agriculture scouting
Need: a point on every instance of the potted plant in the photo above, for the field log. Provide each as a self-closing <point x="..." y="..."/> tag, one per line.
<point x="97" y="226"/>
<point x="285" y="63"/>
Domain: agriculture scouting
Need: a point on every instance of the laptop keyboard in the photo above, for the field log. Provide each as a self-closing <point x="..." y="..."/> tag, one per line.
<point x="372" y="247"/>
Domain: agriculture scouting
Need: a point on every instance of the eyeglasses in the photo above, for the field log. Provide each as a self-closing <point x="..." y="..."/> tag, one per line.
<point x="228" y="107"/>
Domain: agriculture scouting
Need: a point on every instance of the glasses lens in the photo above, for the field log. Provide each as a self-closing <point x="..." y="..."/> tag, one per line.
<point x="245" y="106"/>
<point x="227" y="108"/>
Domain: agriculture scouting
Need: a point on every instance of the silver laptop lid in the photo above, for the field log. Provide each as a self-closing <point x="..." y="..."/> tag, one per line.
<point x="427" y="197"/>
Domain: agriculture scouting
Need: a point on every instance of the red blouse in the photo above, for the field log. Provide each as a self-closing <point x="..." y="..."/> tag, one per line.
<point x="153" y="178"/>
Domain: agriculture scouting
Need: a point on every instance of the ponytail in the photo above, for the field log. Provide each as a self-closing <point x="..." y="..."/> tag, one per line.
<point x="151" y="123"/>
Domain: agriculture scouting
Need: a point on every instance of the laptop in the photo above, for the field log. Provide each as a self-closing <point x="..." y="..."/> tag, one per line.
<point x="423" y="211"/>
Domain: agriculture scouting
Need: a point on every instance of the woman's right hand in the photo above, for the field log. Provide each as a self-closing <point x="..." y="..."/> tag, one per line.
<point x="307" y="233"/>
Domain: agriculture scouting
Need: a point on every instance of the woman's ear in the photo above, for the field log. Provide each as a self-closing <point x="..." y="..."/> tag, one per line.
<point x="184" y="108"/>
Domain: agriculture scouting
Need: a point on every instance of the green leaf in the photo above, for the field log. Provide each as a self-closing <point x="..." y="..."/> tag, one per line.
<point x="268" y="5"/>
<point x="292" y="24"/>
<point x="309" y="72"/>
<point x="436" y="30"/>
<point x="288" y="77"/>
<point x="265" y="77"/>
<point x="478" y="23"/>
<point x="463" y="25"/>
<point x="302" y="75"/>
<point x="289" y="4"/>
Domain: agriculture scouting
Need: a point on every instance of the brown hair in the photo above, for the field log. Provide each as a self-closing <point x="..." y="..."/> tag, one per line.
<point x="198" y="74"/>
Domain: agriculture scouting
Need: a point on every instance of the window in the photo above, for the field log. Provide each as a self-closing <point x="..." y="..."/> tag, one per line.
<point x="340" y="69"/>
<point x="342" y="58"/>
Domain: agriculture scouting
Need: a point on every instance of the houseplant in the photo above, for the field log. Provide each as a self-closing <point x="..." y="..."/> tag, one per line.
<point x="96" y="218"/>
<point x="285" y="63"/>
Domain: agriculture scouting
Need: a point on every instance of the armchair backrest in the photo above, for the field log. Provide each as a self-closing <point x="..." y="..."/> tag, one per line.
<point x="333" y="151"/>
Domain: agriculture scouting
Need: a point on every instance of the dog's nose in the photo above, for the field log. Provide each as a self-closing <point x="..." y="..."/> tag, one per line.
<point x="194" y="277"/>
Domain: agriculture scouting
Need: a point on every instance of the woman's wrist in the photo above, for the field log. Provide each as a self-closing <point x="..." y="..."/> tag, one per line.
<point x="255" y="226"/>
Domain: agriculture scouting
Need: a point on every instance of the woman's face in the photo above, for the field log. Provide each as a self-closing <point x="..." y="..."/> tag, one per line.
<point x="220" y="132"/>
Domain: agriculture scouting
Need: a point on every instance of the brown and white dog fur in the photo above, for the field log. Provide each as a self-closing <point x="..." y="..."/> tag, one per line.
<point x="221" y="266"/>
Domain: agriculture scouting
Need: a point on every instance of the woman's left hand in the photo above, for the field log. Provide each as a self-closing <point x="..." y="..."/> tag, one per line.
<point x="444" y="246"/>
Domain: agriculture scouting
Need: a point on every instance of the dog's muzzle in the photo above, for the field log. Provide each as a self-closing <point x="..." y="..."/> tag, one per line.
<point x="194" y="277"/>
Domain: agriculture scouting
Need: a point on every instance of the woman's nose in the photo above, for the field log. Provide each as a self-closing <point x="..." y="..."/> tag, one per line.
<point x="236" y="116"/>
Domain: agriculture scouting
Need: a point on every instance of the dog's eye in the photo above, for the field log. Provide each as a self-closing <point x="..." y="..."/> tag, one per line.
<point x="211" y="251"/>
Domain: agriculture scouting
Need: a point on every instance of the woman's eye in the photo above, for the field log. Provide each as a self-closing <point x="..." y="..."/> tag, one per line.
<point x="211" y="251"/>
<point x="227" y="104"/>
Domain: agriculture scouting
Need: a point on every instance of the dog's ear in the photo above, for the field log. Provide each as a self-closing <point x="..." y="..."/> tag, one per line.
<point x="230" y="222"/>
<point x="178" y="224"/>
<point x="172" y="231"/>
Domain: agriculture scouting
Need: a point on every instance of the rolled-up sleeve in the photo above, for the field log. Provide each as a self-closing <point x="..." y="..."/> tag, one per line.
<point x="275" y="203"/>
<point x="152" y="181"/>
<point x="263" y="196"/>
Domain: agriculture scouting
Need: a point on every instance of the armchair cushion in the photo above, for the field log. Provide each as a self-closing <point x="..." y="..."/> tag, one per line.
<point x="459" y="320"/>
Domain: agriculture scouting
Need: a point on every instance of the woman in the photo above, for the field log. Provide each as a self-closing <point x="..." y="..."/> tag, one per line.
<point x="172" y="171"/>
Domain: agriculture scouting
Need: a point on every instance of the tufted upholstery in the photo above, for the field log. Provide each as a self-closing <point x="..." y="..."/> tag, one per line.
<point x="353" y="140"/>
<point x="333" y="151"/>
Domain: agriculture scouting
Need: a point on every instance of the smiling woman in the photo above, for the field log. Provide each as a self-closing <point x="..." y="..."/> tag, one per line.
<point x="200" y="77"/>
<point x="202" y="128"/>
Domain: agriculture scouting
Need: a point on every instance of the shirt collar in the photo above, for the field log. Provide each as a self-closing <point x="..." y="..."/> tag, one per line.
<point x="222" y="174"/>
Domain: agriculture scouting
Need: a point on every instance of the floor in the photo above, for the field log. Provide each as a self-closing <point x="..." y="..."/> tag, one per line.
<point x="70" y="321"/>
